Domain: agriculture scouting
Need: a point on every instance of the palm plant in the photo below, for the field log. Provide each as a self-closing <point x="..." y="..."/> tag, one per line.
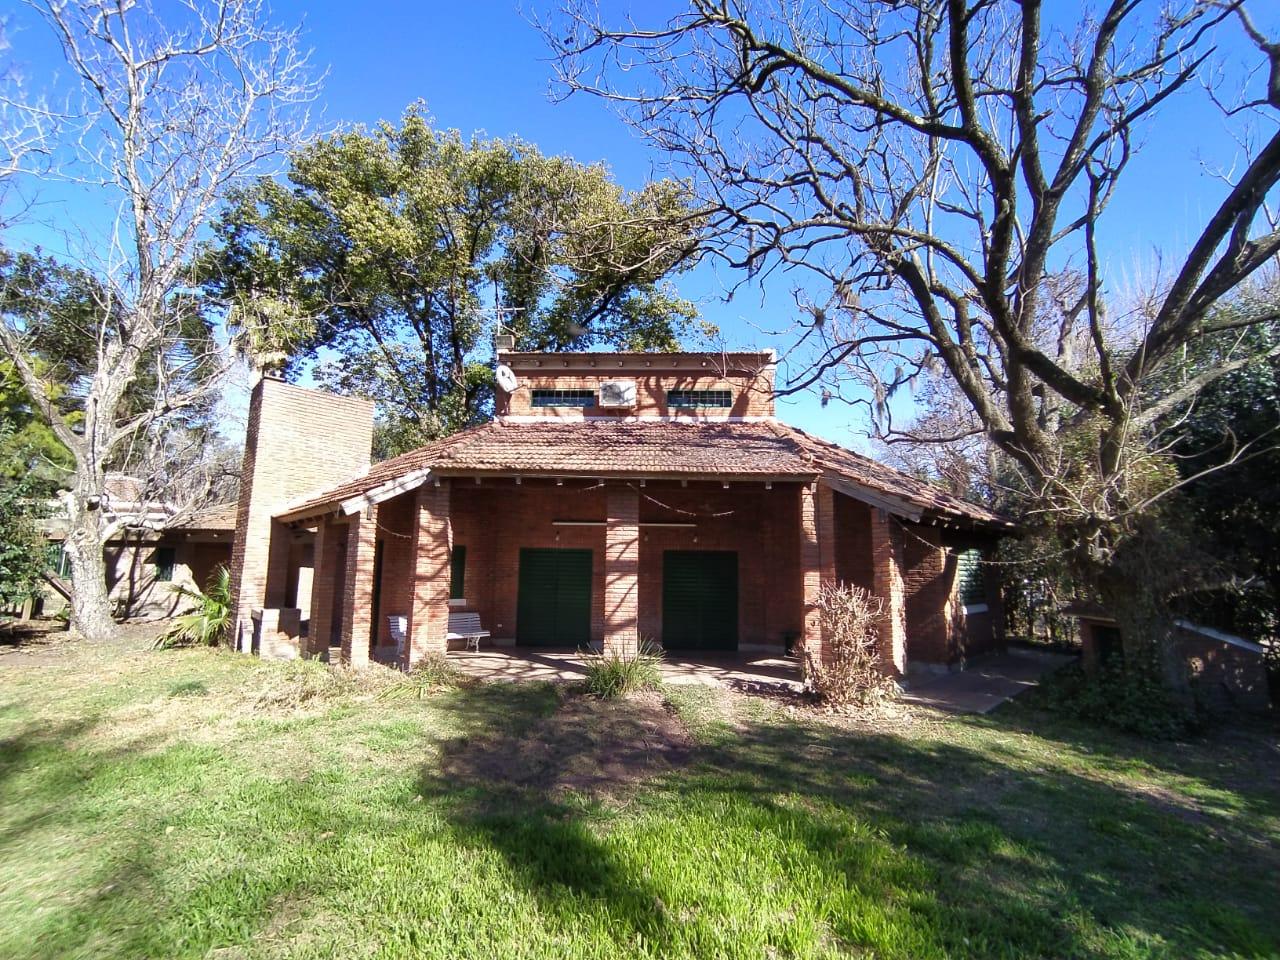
<point x="207" y="624"/>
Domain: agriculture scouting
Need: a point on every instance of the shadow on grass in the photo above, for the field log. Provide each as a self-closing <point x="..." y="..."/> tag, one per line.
<point x="1239" y="754"/>
<point x="948" y="849"/>
<point x="771" y="835"/>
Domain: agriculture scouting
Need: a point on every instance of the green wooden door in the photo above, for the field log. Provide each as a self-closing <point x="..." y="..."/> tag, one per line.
<point x="554" y="603"/>
<point x="700" y="600"/>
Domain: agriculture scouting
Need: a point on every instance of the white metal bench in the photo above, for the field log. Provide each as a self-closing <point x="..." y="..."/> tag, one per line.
<point x="462" y="626"/>
<point x="466" y="627"/>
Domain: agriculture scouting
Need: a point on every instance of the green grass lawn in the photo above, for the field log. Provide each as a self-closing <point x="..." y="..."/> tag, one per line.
<point x="194" y="804"/>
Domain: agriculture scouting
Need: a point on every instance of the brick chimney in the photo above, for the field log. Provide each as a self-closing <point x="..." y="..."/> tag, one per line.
<point x="299" y="441"/>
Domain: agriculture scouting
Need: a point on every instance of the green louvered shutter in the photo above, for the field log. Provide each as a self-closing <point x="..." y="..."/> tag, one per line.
<point x="458" y="573"/>
<point x="554" y="602"/>
<point x="700" y="600"/>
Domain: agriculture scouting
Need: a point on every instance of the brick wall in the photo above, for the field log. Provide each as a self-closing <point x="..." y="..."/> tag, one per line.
<point x="751" y="384"/>
<point x="762" y="526"/>
<point x="298" y="441"/>
<point x="496" y="519"/>
<point x="328" y="584"/>
<point x="131" y="573"/>
<point x="929" y="571"/>
<point x="396" y="541"/>
<point x="916" y="564"/>
<point x="853" y="543"/>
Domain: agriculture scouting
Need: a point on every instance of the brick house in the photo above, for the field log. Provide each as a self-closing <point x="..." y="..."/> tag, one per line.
<point x="158" y="554"/>
<point x="613" y="497"/>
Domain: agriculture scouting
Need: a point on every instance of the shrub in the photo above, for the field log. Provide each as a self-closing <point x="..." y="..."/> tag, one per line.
<point x="848" y="673"/>
<point x="1128" y="698"/>
<point x="431" y="673"/>
<point x="614" y="675"/>
<point x="209" y="622"/>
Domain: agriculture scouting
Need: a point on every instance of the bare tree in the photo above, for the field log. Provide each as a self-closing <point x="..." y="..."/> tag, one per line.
<point x="939" y="171"/>
<point x="167" y="113"/>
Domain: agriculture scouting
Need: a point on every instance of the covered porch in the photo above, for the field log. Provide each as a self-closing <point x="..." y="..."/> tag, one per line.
<point x="716" y="571"/>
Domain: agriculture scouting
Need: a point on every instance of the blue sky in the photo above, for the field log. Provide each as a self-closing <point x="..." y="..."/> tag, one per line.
<point x="479" y="65"/>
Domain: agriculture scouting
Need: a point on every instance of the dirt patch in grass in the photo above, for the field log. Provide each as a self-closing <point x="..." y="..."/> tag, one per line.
<point x="34" y="641"/>
<point x="50" y="643"/>
<point x="602" y="748"/>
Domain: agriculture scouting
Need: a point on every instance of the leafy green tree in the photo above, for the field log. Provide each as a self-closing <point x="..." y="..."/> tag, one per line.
<point x="21" y="543"/>
<point x="29" y="447"/>
<point x="397" y="246"/>
<point x="1235" y="422"/>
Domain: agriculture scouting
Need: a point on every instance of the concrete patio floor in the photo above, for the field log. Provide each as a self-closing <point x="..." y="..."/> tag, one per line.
<point x="986" y="684"/>
<point x="744" y="671"/>
<point x="980" y="688"/>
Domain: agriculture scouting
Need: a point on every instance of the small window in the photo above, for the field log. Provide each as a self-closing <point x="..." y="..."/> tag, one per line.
<point x="164" y="558"/>
<point x="457" y="573"/>
<point x="971" y="583"/>
<point x="699" y="398"/>
<point x="57" y="560"/>
<point x="564" y="398"/>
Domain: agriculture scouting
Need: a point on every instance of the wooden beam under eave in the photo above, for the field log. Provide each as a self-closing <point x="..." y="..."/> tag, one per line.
<point x="882" y="501"/>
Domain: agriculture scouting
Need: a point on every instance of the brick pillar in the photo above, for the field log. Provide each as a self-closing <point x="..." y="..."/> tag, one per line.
<point x="323" y="583"/>
<point x="357" y="599"/>
<point x="432" y="543"/>
<point x="622" y="571"/>
<point x="817" y="557"/>
<point x="886" y="561"/>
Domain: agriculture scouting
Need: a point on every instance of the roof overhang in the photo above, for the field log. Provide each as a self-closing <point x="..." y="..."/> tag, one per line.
<point x="876" y="498"/>
<point x="392" y="488"/>
<point x="907" y="510"/>
<point x="311" y="510"/>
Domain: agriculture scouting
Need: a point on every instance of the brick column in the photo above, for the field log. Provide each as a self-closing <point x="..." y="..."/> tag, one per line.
<point x="622" y="571"/>
<point x="321" y="590"/>
<point x="432" y="542"/>
<point x="817" y="557"/>
<point x="357" y="599"/>
<point x="886" y="561"/>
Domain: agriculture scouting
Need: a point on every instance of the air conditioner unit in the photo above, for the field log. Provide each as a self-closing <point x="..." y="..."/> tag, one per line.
<point x="618" y="393"/>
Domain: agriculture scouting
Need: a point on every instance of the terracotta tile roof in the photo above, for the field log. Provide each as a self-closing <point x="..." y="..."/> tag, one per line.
<point x="866" y="472"/>
<point x="720" y="449"/>
<point x="221" y="516"/>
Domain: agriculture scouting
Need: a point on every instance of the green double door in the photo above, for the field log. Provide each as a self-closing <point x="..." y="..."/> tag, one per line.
<point x="554" y="600"/>
<point x="700" y="600"/>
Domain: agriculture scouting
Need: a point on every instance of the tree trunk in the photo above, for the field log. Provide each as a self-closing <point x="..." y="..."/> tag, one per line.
<point x="90" y="599"/>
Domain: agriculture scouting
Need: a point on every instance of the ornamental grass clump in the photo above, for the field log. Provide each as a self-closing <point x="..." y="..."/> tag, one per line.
<point x="849" y="673"/>
<point x="615" y="675"/>
<point x="433" y="672"/>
